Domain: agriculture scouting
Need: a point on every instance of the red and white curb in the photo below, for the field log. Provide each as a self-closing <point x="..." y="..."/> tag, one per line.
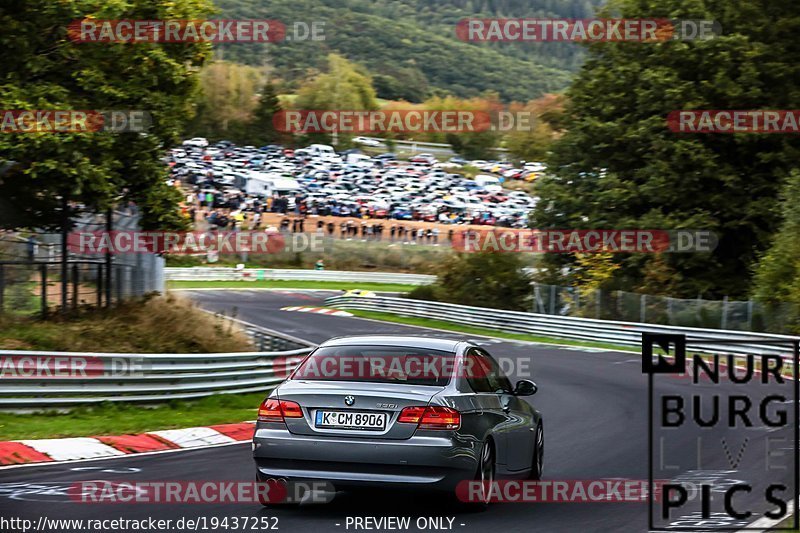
<point x="80" y="448"/>
<point x="319" y="310"/>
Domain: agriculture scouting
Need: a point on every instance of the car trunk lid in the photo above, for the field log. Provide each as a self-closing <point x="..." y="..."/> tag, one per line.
<point x="329" y="405"/>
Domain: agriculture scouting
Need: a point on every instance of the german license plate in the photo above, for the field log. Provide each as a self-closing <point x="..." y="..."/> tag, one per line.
<point x="351" y="420"/>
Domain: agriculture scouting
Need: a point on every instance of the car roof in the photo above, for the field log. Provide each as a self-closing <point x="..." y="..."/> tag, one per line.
<point x="407" y="341"/>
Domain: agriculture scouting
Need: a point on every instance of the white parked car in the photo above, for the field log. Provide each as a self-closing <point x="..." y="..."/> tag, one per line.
<point x="535" y="166"/>
<point x="199" y="142"/>
<point x="366" y="141"/>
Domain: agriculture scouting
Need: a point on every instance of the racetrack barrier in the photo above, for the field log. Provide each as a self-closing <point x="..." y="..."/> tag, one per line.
<point x="255" y="274"/>
<point x="572" y="328"/>
<point x="144" y="377"/>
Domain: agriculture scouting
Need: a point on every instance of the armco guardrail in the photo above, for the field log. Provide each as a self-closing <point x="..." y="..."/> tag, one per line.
<point x="574" y="328"/>
<point x="252" y="274"/>
<point x="60" y="379"/>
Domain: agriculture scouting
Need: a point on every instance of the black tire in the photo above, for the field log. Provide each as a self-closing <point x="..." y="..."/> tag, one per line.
<point x="485" y="475"/>
<point x="537" y="465"/>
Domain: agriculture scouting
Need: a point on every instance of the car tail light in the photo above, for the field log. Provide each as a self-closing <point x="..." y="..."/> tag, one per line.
<point x="431" y="417"/>
<point x="272" y="410"/>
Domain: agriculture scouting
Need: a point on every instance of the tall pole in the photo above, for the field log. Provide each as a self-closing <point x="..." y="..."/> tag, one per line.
<point x="64" y="250"/>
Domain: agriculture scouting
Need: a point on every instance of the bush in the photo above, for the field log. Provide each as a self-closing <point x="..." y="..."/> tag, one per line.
<point x="423" y="292"/>
<point x="489" y="279"/>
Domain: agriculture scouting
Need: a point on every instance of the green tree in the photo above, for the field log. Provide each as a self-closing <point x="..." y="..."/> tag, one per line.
<point x="227" y="101"/>
<point x="40" y="68"/>
<point x="343" y="87"/>
<point x="619" y="166"/>
<point x="261" y="129"/>
<point x="777" y="276"/>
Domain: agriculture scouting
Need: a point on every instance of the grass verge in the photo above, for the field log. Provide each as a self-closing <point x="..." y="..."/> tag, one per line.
<point x="168" y="324"/>
<point x="121" y="419"/>
<point x="288" y="284"/>
<point x="459" y="328"/>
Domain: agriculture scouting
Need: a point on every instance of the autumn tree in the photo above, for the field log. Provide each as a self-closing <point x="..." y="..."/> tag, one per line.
<point x="619" y="166"/>
<point x="42" y="69"/>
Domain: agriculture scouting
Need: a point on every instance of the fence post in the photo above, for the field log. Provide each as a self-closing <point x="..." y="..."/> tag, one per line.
<point x="99" y="285"/>
<point x="552" y="299"/>
<point x="74" y="286"/>
<point x="669" y="310"/>
<point x="749" y="315"/>
<point x="599" y="303"/>
<point x="643" y="308"/>
<point x="43" y="269"/>
<point x="698" y="306"/>
<point x="724" y="312"/>
<point x="108" y="258"/>
<point x="117" y="285"/>
<point x="2" y="286"/>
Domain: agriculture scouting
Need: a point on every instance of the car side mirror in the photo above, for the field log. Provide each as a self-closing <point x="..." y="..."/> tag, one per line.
<point x="525" y="387"/>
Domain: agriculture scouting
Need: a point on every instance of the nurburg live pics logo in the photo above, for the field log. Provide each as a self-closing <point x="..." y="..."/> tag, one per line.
<point x="723" y="428"/>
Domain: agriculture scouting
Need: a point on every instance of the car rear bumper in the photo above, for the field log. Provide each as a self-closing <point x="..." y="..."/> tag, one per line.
<point x="437" y="462"/>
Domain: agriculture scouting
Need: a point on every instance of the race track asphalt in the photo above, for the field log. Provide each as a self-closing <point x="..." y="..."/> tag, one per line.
<point x="595" y="408"/>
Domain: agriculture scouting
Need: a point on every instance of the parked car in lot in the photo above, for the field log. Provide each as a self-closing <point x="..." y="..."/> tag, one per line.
<point x="325" y="183"/>
<point x="369" y="421"/>
<point x="426" y="159"/>
<point x="366" y="141"/>
<point x="198" y="142"/>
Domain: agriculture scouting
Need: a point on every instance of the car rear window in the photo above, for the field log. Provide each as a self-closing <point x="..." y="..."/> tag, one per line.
<point x="382" y="364"/>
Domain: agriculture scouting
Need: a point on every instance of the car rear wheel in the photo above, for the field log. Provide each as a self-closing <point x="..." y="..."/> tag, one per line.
<point x="537" y="465"/>
<point x="484" y="476"/>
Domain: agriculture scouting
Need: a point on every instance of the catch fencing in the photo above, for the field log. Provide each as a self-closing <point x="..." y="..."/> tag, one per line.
<point x="34" y="279"/>
<point x="573" y="328"/>
<point x="727" y="314"/>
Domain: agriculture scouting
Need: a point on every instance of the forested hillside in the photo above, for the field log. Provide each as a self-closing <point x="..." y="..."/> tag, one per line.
<point x="410" y="46"/>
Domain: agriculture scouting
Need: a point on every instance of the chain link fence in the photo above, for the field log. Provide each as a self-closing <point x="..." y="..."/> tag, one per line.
<point x="34" y="280"/>
<point x="633" y="307"/>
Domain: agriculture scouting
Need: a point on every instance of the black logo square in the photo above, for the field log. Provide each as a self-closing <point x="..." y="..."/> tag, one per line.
<point x="663" y="365"/>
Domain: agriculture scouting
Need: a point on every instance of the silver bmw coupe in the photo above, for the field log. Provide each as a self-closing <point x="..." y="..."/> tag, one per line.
<point x="398" y="411"/>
